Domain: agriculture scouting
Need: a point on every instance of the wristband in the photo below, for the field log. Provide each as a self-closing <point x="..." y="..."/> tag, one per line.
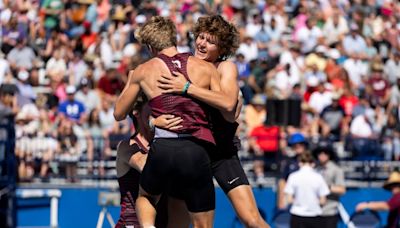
<point x="186" y="87"/>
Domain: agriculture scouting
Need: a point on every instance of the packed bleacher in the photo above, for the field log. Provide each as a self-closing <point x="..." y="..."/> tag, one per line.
<point x="327" y="71"/>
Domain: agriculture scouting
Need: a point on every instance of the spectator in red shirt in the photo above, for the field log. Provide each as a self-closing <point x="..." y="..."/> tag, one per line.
<point x="392" y="205"/>
<point x="348" y="101"/>
<point x="380" y="88"/>
<point x="111" y="83"/>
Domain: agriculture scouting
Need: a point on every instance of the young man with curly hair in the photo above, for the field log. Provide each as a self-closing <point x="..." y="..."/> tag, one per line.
<point x="215" y="41"/>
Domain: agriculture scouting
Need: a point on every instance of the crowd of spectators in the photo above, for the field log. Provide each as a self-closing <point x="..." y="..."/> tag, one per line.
<point x="64" y="62"/>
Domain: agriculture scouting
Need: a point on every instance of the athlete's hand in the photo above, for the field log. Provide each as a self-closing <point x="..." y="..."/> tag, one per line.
<point x="172" y="83"/>
<point x="168" y="121"/>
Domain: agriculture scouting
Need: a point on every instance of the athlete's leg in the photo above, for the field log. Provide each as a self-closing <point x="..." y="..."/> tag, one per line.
<point x="178" y="215"/>
<point x="232" y="179"/>
<point x="146" y="208"/>
<point x="202" y="219"/>
<point x="244" y="203"/>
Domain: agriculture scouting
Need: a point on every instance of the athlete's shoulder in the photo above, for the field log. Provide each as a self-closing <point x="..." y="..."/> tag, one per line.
<point x="227" y="64"/>
<point x="144" y="68"/>
<point x="228" y="69"/>
<point x="199" y="62"/>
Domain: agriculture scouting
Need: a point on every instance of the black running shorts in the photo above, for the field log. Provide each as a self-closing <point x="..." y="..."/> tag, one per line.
<point x="226" y="167"/>
<point x="181" y="167"/>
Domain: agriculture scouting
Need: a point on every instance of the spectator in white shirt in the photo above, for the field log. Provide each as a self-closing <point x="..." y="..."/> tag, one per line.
<point x="56" y="67"/>
<point x="254" y="25"/>
<point x="248" y="48"/>
<point x="306" y="191"/>
<point x="335" y="27"/>
<point x="357" y="70"/>
<point x="354" y="43"/>
<point x="272" y="14"/>
<point x="4" y="68"/>
<point x="21" y="56"/>
<point x="363" y="131"/>
<point x="320" y="99"/>
<point x="392" y="67"/>
<point x="309" y="35"/>
<point x="88" y="95"/>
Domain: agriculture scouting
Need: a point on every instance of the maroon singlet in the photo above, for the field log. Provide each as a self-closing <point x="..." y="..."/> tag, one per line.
<point x="193" y="112"/>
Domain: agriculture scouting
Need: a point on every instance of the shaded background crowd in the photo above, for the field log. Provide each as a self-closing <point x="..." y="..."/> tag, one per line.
<point x="311" y="72"/>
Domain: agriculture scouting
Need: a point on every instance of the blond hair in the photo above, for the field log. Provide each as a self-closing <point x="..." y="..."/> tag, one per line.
<point x="158" y="32"/>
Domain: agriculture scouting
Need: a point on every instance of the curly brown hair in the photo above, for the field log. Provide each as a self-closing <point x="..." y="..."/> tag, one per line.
<point x="158" y="32"/>
<point x="226" y="33"/>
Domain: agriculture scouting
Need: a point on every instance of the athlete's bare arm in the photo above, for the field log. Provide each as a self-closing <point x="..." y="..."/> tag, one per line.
<point x="127" y="97"/>
<point x="224" y="89"/>
<point x="230" y="87"/>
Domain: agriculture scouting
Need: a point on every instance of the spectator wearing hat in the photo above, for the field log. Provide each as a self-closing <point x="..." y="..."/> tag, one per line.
<point x="255" y="114"/>
<point x="118" y="31"/>
<point x="317" y="58"/>
<point x="88" y="95"/>
<point x="334" y="178"/>
<point x="77" y="11"/>
<point x="392" y="205"/>
<point x="332" y="120"/>
<point x="314" y="71"/>
<point x="71" y="108"/>
<point x="378" y="85"/>
<point x="306" y="191"/>
<point x="298" y="143"/>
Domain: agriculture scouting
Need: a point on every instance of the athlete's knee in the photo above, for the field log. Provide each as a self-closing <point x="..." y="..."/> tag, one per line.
<point x="202" y="219"/>
<point x="153" y="199"/>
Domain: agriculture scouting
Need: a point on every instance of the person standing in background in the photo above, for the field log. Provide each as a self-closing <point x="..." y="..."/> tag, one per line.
<point x="298" y="144"/>
<point x="306" y="191"/>
<point x="334" y="178"/>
